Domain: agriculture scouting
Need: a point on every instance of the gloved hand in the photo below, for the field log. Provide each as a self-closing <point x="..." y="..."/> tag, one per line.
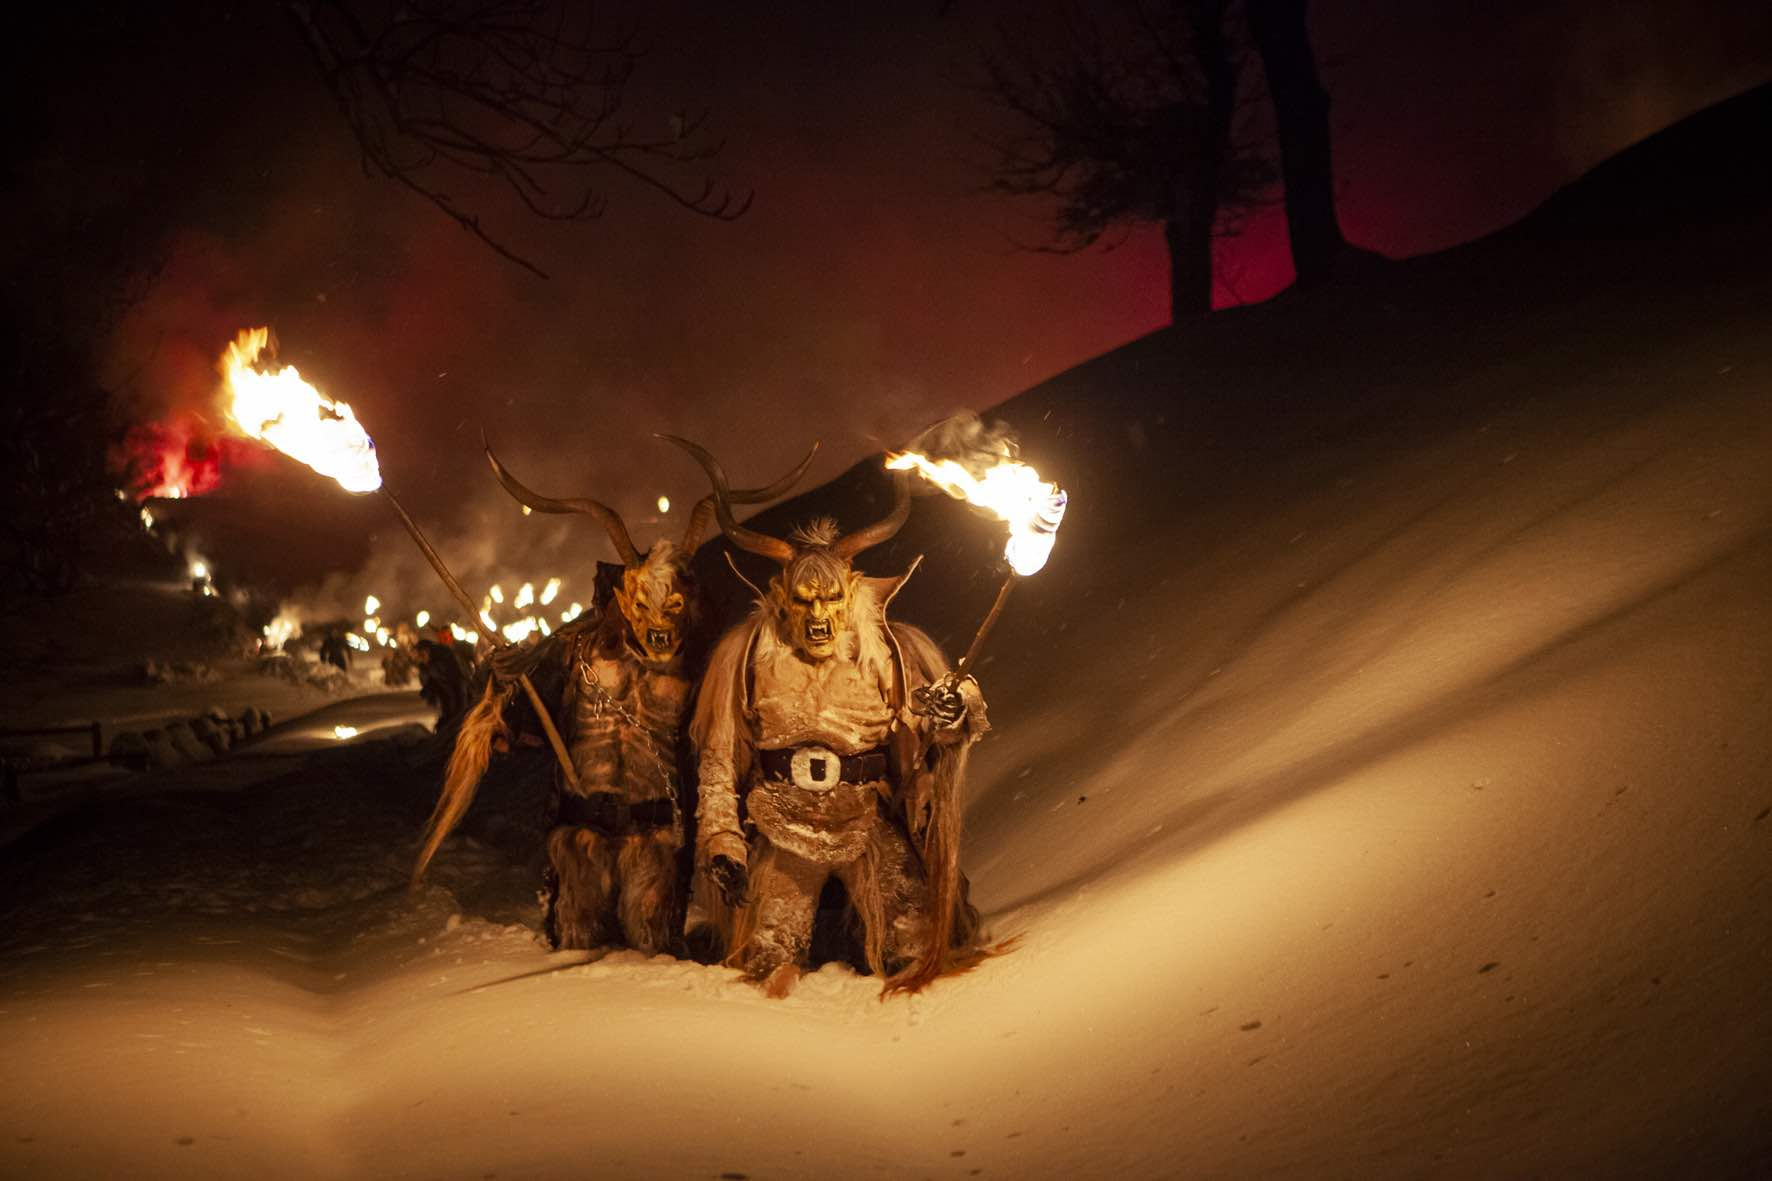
<point x="939" y="701"/>
<point x="730" y="878"/>
<point x="944" y="704"/>
<point x="954" y="707"/>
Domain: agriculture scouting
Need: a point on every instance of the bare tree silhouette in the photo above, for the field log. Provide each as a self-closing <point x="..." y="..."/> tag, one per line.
<point x="1131" y="113"/>
<point x="528" y="93"/>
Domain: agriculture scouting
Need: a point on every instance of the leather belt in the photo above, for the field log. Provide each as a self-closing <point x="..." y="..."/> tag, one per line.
<point x="817" y="770"/>
<point x="611" y="815"/>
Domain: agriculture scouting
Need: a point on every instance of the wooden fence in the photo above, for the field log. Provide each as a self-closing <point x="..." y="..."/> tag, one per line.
<point x="16" y="765"/>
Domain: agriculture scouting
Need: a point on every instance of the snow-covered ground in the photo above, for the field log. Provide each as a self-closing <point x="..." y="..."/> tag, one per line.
<point x="1381" y="787"/>
<point x="82" y="657"/>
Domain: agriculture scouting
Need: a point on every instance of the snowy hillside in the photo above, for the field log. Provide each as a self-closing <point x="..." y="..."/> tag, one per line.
<point x="1381" y="786"/>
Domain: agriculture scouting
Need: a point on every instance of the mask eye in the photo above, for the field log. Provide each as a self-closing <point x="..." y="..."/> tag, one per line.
<point x="674" y="605"/>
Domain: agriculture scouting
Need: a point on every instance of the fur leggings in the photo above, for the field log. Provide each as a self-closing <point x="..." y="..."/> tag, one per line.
<point x="886" y="887"/>
<point x="618" y="890"/>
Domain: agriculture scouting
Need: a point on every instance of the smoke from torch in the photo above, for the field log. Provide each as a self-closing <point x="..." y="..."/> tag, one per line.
<point x="978" y="464"/>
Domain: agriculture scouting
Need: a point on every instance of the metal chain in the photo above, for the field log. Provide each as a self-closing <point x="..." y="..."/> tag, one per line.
<point x="588" y="675"/>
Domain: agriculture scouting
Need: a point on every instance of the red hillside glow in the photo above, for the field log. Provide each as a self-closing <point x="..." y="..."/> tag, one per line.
<point x="167" y="461"/>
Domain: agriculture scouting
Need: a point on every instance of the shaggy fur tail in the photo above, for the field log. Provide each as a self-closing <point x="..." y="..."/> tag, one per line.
<point x="956" y="939"/>
<point x="954" y="926"/>
<point x="467" y="763"/>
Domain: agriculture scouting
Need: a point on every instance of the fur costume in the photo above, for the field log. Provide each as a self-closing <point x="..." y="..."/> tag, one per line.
<point x="813" y="764"/>
<point x="613" y="867"/>
<point x="621" y="677"/>
<point x="892" y="840"/>
<point x="613" y="849"/>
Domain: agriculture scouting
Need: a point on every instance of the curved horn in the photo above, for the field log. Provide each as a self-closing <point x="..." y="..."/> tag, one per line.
<point x="704" y="508"/>
<point x="606" y="516"/>
<point x="746" y="539"/>
<point x="850" y="544"/>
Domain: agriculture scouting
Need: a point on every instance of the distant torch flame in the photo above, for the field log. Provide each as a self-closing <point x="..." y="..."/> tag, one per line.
<point x="285" y="411"/>
<point x="1008" y="489"/>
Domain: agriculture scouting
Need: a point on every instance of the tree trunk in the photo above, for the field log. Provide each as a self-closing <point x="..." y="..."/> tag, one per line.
<point x="1301" y="118"/>
<point x="1194" y="205"/>
<point x="1190" y="268"/>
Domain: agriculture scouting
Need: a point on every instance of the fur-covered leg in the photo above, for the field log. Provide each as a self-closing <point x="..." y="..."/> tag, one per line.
<point x="891" y="896"/>
<point x="778" y="916"/>
<point x="647" y="906"/>
<point x="584" y="863"/>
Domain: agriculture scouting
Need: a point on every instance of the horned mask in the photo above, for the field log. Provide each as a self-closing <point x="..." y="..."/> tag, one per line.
<point x="655" y="596"/>
<point x="812" y="596"/>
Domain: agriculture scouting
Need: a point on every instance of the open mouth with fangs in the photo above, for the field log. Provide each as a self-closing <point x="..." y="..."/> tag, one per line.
<point x="818" y="631"/>
<point x="658" y="639"/>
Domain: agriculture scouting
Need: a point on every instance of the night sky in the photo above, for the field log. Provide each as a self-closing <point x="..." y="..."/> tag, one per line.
<point x="871" y="288"/>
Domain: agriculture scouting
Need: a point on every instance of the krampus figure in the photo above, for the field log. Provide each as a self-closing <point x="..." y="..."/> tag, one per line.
<point x="806" y="738"/>
<point x="627" y="669"/>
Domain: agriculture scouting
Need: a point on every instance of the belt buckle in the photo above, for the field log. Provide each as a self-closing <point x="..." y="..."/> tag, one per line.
<point x="815" y="768"/>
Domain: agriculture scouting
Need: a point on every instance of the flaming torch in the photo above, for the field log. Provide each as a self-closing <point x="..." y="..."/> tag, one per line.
<point x="281" y="409"/>
<point x="977" y="464"/>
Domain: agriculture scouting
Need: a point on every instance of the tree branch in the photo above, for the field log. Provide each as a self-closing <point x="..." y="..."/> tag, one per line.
<point x="520" y="91"/>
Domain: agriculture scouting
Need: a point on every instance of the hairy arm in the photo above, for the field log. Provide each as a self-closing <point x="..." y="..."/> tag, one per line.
<point x="925" y="664"/>
<point x="546" y="661"/>
<point x="722" y="741"/>
<point x="938" y="763"/>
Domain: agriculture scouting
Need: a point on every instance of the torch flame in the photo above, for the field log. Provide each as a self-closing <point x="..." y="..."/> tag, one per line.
<point x="285" y="411"/>
<point x="1009" y="490"/>
<point x="280" y="631"/>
